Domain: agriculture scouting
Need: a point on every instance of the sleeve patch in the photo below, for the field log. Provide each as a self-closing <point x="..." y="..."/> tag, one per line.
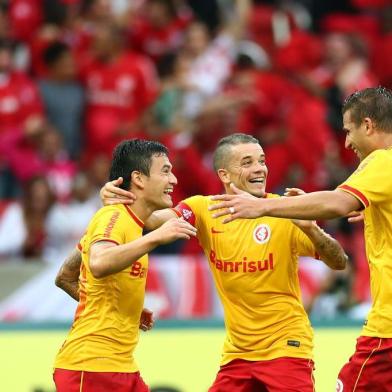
<point x="186" y="212"/>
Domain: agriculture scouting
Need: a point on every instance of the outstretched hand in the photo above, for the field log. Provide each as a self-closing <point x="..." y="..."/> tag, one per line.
<point x="146" y="320"/>
<point x="238" y="205"/>
<point x="111" y="193"/>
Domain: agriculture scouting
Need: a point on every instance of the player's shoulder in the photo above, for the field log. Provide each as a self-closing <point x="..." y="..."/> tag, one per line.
<point x="377" y="159"/>
<point x="117" y="210"/>
<point x="196" y="200"/>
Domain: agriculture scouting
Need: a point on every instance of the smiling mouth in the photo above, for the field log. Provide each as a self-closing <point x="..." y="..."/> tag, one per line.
<point x="258" y="180"/>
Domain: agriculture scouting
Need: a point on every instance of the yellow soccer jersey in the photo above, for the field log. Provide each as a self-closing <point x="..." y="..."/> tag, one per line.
<point x="106" y="326"/>
<point x="371" y="184"/>
<point x="254" y="263"/>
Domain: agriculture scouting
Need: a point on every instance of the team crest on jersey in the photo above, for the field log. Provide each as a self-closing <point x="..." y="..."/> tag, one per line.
<point x="186" y="213"/>
<point x="339" y="386"/>
<point x="262" y="234"/>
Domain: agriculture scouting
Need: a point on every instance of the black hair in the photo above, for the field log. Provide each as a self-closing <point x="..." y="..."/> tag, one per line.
<point x="54" y="52"/>
<point x="6" y="44"/>
<point x="375" y="103"/>
<point x="134" y="155"/>
<point x="222" y="150"/>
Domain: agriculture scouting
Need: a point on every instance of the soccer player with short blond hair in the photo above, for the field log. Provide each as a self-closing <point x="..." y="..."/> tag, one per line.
<point x="254" y="263"/>
<point x="367" y="121"/>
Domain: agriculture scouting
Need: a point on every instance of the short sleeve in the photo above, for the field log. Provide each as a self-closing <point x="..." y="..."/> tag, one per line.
<point x="107" y="227"/>
<point x="191" y="209"/>
<point x="303" y="245"/>
<point x="372" y="181"/>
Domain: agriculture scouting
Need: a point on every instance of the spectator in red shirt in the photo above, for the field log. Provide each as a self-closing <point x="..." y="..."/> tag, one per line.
<point x="20" y="105"/>
<point x="38" y="151"/>
<point x="160" y="29"/>
<point x="19" y="98"/>
<point x="120" y="85"/>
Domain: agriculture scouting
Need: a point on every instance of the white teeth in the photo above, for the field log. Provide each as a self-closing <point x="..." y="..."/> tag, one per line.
<point x="257" y="180"/>
<point x="167" y="191"/>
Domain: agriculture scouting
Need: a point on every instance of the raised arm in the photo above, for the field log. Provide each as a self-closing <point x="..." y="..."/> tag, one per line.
<point x="238" y="21"/>
<point x="67" y="278"/>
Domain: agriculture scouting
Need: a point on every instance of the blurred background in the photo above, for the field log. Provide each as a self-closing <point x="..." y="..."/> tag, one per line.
<point x="78" y="76"/>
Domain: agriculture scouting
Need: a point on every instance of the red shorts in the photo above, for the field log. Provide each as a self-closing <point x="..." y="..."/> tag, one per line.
<point x="80" y="381"/>
<point x="276" y="375"/>
<point x="369" y="369"/>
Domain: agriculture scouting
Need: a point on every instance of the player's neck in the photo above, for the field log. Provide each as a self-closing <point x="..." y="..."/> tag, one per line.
<point x="142" y="209"/>
<point x="384" y="141"/>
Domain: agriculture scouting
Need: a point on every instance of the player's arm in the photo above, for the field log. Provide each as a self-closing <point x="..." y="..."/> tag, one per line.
<point x="316" y="205"/>
<point x="107" y="258"/>
<point x="329" y="250"/>
<point x="68" y="276"/>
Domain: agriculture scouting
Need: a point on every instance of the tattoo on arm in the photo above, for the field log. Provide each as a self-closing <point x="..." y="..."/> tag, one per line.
<point x="68" y="276"/>
<point x="330" y="251"/>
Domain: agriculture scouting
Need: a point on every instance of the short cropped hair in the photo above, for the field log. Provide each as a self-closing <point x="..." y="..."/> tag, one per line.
<point x="375" y="103"/>
<point x="134" y="155"/>
<point x="222" y="151"/>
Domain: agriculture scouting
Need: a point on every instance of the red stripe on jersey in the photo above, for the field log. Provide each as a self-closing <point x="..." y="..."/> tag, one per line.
<point x="362" y="198"/>
<point x="186" y="212"/>
<point x="134" y="217"/>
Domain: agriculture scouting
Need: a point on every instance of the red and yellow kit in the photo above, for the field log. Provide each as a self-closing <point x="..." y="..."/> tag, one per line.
<point x="371" y="184"/>
<point x="106" y="326"/>
<point x="254" y="263"/>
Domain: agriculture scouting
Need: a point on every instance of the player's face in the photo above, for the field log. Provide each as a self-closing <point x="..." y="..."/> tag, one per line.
<point x="356" y="139"/>
<point x="160" y="183"/>
<point x="247" y="169"/>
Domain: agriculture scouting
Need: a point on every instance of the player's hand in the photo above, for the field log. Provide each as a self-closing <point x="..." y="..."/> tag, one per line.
<point x="146" y="320"/>
<point x="355" y="216"/>
<point x="302" y="224"/>
<point x="174" y="229"/>
<point x="239" y="205"/>
<point x="111" y="194"/>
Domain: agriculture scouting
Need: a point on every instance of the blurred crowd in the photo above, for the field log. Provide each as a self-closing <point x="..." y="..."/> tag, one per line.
<point x="78" y="76"/>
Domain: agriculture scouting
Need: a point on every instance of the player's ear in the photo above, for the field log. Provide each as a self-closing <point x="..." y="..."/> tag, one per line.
<point x="224" y="176"/>
<point x="137" y="180"/>
<point x="369" y="124"/>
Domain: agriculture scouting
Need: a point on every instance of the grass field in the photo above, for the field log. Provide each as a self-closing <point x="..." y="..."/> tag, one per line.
<point x="184" y="358"/>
